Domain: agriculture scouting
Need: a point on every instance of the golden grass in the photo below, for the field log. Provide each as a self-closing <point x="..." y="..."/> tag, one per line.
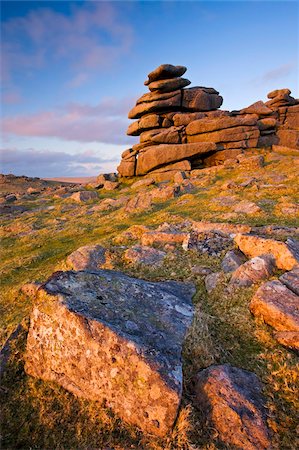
<point x="42" y="415"/>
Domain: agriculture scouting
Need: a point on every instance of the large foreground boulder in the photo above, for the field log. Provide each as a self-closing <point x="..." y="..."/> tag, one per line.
<point x="231" y="399"/>
<point x="107" y="337"/>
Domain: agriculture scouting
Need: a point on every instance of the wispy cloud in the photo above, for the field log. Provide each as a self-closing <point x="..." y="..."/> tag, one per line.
<point x="45" y="163"/>
<point x="94" y="35"/>
<point x="275" y="74"/>
<point x="105" y="122"/>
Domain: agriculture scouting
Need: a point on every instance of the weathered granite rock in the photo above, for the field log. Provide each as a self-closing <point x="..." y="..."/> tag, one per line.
<point x="258" y="108"/>
<point x="126" y="168"/>
<point x="139" y="203"/>
<point x="163" y="154"/>
<point x="288" y="339"/>
<point x="291" y="280"/>
<point x="171" y="135"/>
<point x="163" y="237"/>
<point x="207" y="125"/>
<point x="143" y="183"/>
<point x="231" y="398"/>
<point x="148" y="256"/>
<point x="168" y="85"/>
<point x="84" y="196"/>
<point x="145" y="123"/>
<point x="232" y="260"/>
<point x="181" y="165"/>
<point x="165" y="71"/>
<point x="212" y="280"/>
<point x="246" y="207"/>
<point x="200" y="99"/>
<point x="171" y="103"/>
<point x="105" y="336"/>
<point x="288" y="138"/>
<point x="89" y="257"/>
<point x="211" y="242"/>
<point x="253" y="271"/>
<point x="277" y="305"/>
<point x="286" y="254"/>
<point x="234" y="134"/>
<point x="110" y="185"/>
<point x="163" y="193"/>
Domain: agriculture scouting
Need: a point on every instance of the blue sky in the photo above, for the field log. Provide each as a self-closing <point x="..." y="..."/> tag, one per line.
<point x="72" y="70"/>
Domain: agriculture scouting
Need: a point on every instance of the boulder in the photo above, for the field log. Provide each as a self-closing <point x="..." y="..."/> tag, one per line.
<point x="288" y="339"/>
<point x="164" y="193"/>
<point x="278" y="92"/>
<point x="110" y="185"/>
<point x="140" y="254"/>
<point x="291" y="280"/>
<point x="171" y="103"/>
<point x="181" y="165"/>
<point x="288" y="138"/>
<point x="142" y="201"/>
<point x="211" y="242"/>
<point x="258" y="108"/>
<point x="286" y="254"/>
<point x="142" y="183"/>
<point x="239" y="133"/>
<point x="168" y="85"/>
<point x="107" y="177"/>
<point x="163" y="237"/>
<point x="165" y="71"/>
<point x="127" y="168"/>
<point x="147" y="122"/>
<point x="171" y="135"/>
<point x="163" y="154"/>
<point x="232" y="260"/>
<point x="200" y="99"/>
<point x="185" y="118"/>
<point x="277" y="305"/>
<point x="246" y="207"/>
<point x="267" y="123"/>
<point x="212" y="280"/>
<point x="206" y="125"/>
<point x="84" y="196"/>
<point x="252" y="271"/>
<point x="107" y="337"/>
<point x="231" y="399"/>
<point x="89" y="257"/>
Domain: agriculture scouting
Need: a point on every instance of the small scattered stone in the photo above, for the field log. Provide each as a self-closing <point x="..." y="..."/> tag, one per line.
<point x="246" y="207"/>
<point x="277" y="305"/>
<point x="212" y="280"/>
<point x="286" y="254"/>
<point x="89" y="257"/>
<point x="232" y="260"/>
<point x="253" y="271"/>
<point x="231" y="398"/>
<point x="110" y="185"/>
<point x="84" y="196"/>
<point x="144" y="255"/>
<point x="291" y="280"/>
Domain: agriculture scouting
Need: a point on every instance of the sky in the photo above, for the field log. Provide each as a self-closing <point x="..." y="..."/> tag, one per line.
<point x="72" y="70"/>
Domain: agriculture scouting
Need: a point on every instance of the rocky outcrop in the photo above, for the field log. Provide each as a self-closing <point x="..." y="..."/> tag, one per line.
<point x="176" y="124"/>
<point x="286" y="254"/>
<point x="232" y="401"/>
<point x="105" y="336"/>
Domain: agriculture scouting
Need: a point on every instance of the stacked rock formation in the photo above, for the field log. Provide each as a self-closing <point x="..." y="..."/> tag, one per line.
<point x="182" y="128"/>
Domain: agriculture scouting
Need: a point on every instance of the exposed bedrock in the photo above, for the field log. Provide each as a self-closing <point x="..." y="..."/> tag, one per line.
<point x="172" y="116"/>
<point x="107" y="337"/>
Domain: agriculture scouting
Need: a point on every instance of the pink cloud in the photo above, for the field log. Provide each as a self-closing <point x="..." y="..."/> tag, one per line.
<point x="105" y="122"/>
<point x="93" y="36"/>
<point x="12" y="98"/>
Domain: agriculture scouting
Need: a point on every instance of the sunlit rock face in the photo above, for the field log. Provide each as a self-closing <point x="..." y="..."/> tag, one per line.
<point x="108" y="337"/>
<point x="177" y="123"/>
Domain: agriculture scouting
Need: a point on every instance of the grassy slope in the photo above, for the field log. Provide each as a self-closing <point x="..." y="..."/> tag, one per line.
<point x="42" y="415"/>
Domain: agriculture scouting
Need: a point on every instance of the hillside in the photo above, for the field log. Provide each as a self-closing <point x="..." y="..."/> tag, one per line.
<point x="39" y="232"/>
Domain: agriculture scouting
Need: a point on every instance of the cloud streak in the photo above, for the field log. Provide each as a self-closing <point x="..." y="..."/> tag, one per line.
<point x="92" y="36"/>
<point x="44" y="163"/>
<point x="105" y="122"/>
